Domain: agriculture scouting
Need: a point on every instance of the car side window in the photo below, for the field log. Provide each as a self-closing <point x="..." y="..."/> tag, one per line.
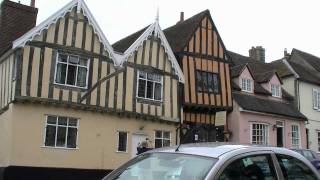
<point x="294" y="169"/>
<point x="250" y="168"/>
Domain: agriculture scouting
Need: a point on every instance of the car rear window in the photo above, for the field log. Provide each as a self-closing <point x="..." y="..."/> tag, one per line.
<point x="162" y="166"/>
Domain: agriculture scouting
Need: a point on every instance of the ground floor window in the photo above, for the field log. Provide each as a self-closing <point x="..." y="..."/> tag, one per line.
<point x="259" y="133"/>
<point x="162" y="139"/>
<point x="122" y="141"/>
<point x="295" y="136"/>
<point x="61" y="132"/>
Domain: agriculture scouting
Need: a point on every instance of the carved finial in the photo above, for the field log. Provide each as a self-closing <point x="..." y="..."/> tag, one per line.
<point x="157" y="16"/>
<point x="79" y="6"/>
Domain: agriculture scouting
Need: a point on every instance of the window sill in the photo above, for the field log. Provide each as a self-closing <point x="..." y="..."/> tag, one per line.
<point x="62" y="148"/>
<point x="148" y="101"/>
<point x="122" y="152"/>
<point x="69" y="87"/>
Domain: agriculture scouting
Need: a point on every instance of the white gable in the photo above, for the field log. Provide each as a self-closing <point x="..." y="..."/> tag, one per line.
<point x="155" y="27"/>
<point x="81" y="5"/>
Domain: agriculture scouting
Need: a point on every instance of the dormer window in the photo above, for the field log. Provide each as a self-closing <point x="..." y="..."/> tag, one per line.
<point x="275" y="90"/>
<point x="71" y="70"/>
<point x="246" y="85"/>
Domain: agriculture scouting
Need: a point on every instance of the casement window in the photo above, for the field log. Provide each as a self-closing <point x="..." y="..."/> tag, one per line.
<point x="295" y="136"/>
<point x="61" y="132"/>
<point x="149" y="86"/>
<point x="246" y="85"/>
<point x="122" y="141"/>
<point x="162" y="139"/>
<point x="275" y="90"/>
<point x="208" y="82"/>
<point x="71" y="70"/>
<point x="316" y="99"/>
<point x="259" y="133"/>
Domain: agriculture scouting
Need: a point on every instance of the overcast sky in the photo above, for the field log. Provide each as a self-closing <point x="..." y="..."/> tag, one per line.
<point x="273" y="24"/>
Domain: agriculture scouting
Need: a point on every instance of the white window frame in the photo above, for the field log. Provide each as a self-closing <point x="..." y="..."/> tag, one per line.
<point x="146" y="79"/>
<point x="162" y="139"/>
<point x="247" y="85"/>
<point x="265" y="135"/>
<point x="316" y="99"/>
<point x="276" y="90"/>
<point x="118" y="133"/>
<point x="298" y="138"/>
<point x="55" y="143"/>
<point x="65" y="84"/>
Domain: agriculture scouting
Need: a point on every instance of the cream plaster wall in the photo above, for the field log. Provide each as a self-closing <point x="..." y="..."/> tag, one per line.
<point x="306" y="108"/>
<point x="97" y="138"/>
<point x="5" y="138"/>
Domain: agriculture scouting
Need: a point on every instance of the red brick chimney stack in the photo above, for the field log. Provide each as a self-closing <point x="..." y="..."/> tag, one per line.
<point x="15" y="20"/>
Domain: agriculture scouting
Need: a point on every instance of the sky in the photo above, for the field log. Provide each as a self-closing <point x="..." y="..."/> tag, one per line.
<point x="273" y="24"/>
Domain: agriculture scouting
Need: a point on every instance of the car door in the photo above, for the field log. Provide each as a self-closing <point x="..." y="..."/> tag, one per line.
<point x="250" y="166"/>
<point x="294" y="169"/>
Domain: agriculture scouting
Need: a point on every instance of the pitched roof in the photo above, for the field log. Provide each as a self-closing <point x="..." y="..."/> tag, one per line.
<point x="281" y="68"/>
<point x="263" y="105"/>
<point x="261" y="72"/>
<point x="312" y="60"/>
<point x="306" y="74"/>
<point x="123" y="44"/>
<point x="80" y="5"/>
<point x="177" y="35"/>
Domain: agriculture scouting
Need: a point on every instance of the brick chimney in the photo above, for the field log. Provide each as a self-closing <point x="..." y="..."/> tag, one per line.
<point x="181" y="17"/>
<point x="257" y="53"/>
<point x="15" y="20"/>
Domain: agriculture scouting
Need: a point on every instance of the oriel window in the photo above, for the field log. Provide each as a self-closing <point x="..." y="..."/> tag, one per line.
<point x="71" y="70"/>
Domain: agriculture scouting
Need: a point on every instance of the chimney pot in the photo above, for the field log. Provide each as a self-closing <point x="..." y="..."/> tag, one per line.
<point x="181" y="16"/>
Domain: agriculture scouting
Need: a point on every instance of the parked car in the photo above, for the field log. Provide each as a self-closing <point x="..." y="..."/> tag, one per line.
<point x="312" y="156"/>
<point x="216" y="162"/>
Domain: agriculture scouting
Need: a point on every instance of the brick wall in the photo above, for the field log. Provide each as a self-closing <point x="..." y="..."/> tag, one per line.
<point x="15" y="20"/>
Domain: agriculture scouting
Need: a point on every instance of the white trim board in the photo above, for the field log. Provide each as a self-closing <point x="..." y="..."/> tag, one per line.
<point x="81" y="5"/>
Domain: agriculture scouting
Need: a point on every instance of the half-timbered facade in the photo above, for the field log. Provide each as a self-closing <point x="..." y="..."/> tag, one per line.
<point x="206" y="93"/>
<point x="207" y="97"/>
<point x="68" y="100"/>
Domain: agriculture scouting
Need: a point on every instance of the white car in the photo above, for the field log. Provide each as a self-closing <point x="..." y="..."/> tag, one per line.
<point x="217" y="162"/>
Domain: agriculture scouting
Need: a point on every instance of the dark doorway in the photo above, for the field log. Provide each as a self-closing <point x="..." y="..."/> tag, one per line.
<point x="280" y="134"/>
<point x="202" y="133"/>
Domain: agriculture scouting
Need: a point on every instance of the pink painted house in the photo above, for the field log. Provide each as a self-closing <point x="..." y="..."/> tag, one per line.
<point x="263" y="113"/>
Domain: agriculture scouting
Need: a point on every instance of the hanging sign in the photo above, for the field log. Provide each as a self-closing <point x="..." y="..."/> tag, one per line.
<point x="221" y="118"/>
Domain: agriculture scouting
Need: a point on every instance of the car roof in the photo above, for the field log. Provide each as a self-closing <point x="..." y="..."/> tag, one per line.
<point x="215" y="150"/>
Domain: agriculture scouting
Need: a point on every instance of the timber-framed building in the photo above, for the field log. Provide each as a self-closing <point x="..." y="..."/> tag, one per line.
<point x="73" y="107"/>
<point x="206" y="95"/>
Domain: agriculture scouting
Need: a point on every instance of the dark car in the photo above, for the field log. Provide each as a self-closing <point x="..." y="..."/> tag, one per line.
<point x="311" y="156"/>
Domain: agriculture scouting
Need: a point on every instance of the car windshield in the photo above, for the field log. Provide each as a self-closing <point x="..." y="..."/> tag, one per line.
<point x="164" y="166"/>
